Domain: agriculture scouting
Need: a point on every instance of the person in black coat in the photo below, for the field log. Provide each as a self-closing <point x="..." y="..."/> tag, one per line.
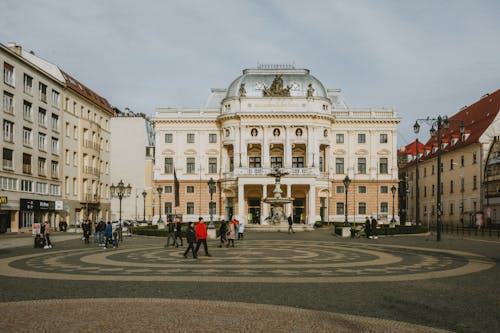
<point x="191" y="239"/>
<point x="374" y="228"/>
<point x="223" y="233"/>
<point x="178" y="233"/>
<point x="87" y="228"/>
<point x="368" y="227"/>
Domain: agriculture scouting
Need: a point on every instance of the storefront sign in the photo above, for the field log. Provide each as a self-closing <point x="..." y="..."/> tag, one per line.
<point x="3" y="200"/>
<point x="59" y="205"/>
<point x="33" y="205"/>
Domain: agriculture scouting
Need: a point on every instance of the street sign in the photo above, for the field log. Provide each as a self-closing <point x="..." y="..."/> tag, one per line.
<point x="3" y="200"/>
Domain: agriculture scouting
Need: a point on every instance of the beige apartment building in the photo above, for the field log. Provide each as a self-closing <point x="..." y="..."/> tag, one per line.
<point x="276" y="116"/>
<point x="55" y="145"/>
<point x="464" y="161"/>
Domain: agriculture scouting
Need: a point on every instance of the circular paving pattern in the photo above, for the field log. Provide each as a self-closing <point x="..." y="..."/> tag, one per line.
<point x="171" y="315"/>
<point x="251" y="261"/>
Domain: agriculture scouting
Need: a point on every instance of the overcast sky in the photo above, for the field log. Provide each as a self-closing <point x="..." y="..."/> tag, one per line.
<point x="423" y="57"/>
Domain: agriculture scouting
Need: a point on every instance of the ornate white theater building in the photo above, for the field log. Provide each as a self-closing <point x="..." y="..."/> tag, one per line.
<point x="276" y="116"/>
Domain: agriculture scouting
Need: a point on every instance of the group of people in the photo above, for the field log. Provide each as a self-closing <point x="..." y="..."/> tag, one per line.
<point x="104" y="234"/>
<point x="43" y="240"/>
<point x="371" y="228"/>
<point x="228" y="232"/>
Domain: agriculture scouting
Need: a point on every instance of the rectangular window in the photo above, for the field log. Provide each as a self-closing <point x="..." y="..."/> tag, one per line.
<point x="55" y="122"/>
<point x="361" y="138"/>
<point x="27" y="114"/>
<point x="42" y="142"/>
<point x="433" y="190"/>
<point x="451" y="164"/>
<point x="26" y="185"/>
<point x="8" y="102"/>
<point x="168" y="207"/>
<point x="55" y="98"/>
<point x="42" y="117"/>
<point x="190" y="138"/>
<point x="66" y="185"/>
<point x="28" y="84"/>
<point x="451" y="186"/>
<point x="42" y="166"/>
<point x="190" y="165"/>
<point x="67" y="129"/>
<point x="7" y="159"/>
<point x="190" y="208"/>
<point x="254" y="162"/>
<point x="474" y="157"/>
<point x="276" y="162"/>
<point x="425" y="191"/>
<point x="384" y="165"/>
<point x="75" y="132"/>
<point x="384" y="189"/>
<point x="451" y="208"/>
<point x="167" y="189"/>
<point x="8" y="74"/>
<point x="54" y="167"/>
<point x="339" y="189"/>
<point x="55" y="146"/>
<point x="339" y="165"/>
<point x="75" y="158"/>
<point x="212" y="165"/>
<point x="26" y="163"/>
<point x="169" y="138"/>
<point x="42" y="89"/>
<point x="361" y="189"/>
<point x="190" y="189"/>
<point x="27" y="137"/>
<point x="340" y="208"/>
<point x="462" y="161"/>
<point x="339" y="138"/>
<point x="362" y="208"/>
<point x="212" y="138"/>
<point x="474" y="183"/>
<point x="383" y="138"/>
<point x="384" y="207"/>
<point x="362" y="165"/>
<point x="8" y="183"/>
<point x="297" y="162"/>
<point x="75" y="187"/>
<point x="8" y="131"/>
<point x="41" y="188"/>
<point x="462" y="184"/>
<point x="54" y="189"/>
<point x="169" y="165"/>
<point x="425" y="172"/>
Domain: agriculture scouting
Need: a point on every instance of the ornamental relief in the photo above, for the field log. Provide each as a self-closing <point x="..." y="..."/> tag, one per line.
<point x="168" y="152"/>
<point x="190" y="152"/>
<point x="384" y="152"/>
<point x="361" y="152"/>
<point x="339" y="152"/>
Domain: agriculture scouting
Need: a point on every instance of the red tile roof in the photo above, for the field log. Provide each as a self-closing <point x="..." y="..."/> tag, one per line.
<point x="410" y="149"/>
<point x="80" y="88"/>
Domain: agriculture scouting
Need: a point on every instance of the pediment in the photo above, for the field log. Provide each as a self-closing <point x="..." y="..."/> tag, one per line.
<point x="168" y="152"/>
<point x="190" y="152"/>
<point x="362" y="152"/>
<point x="384" y="152"/>
<point x="212" y="152"/>
<point x="339" y="152"/>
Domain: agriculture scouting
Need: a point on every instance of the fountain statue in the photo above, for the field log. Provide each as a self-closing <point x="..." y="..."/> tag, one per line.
<point x="277" y="202"/>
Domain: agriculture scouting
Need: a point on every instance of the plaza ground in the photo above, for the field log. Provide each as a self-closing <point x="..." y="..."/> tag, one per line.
<point x="269" y="282"/>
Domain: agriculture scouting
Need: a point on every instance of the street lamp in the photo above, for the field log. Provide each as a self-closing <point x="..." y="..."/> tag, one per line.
<point x="211" y="190"/>
<point x="346" y="182"/>
<point x="159" y="189"/>
<point x="438" y="123"/>
<point x="120" y="191"/>
<point x="144" y="206"/>
<point x="393" y="190"/>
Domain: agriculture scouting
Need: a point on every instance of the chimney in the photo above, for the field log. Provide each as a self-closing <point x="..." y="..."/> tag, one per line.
<point x="16" y="48"/>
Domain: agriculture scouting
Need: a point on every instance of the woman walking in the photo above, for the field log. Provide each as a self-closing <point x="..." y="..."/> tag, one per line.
<point x="231" y="234"/>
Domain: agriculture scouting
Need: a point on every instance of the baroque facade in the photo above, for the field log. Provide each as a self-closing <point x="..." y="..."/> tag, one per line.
<point x="276" y="117"/>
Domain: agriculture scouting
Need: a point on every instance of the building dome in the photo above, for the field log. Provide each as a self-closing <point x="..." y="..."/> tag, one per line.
<point x="276" y="81"/>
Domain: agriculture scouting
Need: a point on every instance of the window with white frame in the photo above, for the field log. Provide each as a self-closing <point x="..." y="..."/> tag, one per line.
<point x="169" y="165"/>
<point x="54" y="167"/>
<point x="339" y="165"/>
<point x="8" y="74"/>
<point x="339" y="138"/>
<point x="42" y="90"/>
<point x="42" y="117"/>
<point x="190" y="165"/>
<point x="75" y="187"/>
<point x="75" y="158"/>
<point x="8" y="131"/>
<point x="55" y="146"/>
<point x="190" y="138"/>
<point x="362" y="208"/>
<point x="67" y="185"/>
<point x="361" y="189"/>
<point x="339" y="189"/>
<point x="27" y="136"/>
<point x="27" y="114"/>
<point x="75" y="132"/>
<point x="55" y="189"/>
<point x="190" y="208"/>
<point x="67" y="156"/>
<point x="42" y="166"/>
<point x="384" y="207"/>
<point x="384" y="165"/>
<point x="212" y="165"/>
<point x="8" y="102"/>
<point x="55" y="122"/>
<point x="67" y="129"/>
<point x="28" y="84"/>
<point x="212" y="138"/>
<point x="167" y="189"/>
<point x="42" y="142"/>
<point x="340" y="208"/>
<point x="169" y="138"/>
<point x="190" y="189"/>
<point x="41" y="188"/>
<point x="7" y="159"/>
<point x="361" y="137"/>
<point x="55" y="98"/>
<point x="26" y="185"/>
<point x="383" y="138"/>
<point x="362" y="165"/>
<point x="8" y="183"/>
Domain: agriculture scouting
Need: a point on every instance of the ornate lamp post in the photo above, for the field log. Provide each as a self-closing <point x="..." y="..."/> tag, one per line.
<point x="346" y="182"/>
<point x="211" y="190"/>
<point x="144" y="206"/>
<point x="120" y="191"/>
<point x="159" y="189"/>
<point x="438" y="123"/>
<point x="393" y="190"/>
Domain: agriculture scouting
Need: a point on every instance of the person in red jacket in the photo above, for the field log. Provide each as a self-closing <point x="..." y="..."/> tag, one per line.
<point x="201" y="236"/>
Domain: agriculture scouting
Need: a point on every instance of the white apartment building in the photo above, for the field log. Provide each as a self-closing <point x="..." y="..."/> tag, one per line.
<point x="276" y="116"/>
<point x="132" y="160"/>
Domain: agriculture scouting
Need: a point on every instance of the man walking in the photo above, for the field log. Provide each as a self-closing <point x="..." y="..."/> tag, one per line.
<point x="201" y="236"/>
<point x="190" y="238"/>
<point x="290" y="224"/>
<point x="367" y="227"/>
<point x="170" y="233"/>
<point x="178" y="232"/>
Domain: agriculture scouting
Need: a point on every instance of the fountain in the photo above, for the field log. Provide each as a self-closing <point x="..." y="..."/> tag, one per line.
<point x="277" y="202"/>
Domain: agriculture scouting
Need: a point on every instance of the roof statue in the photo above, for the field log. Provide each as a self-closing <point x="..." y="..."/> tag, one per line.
<point x="310" y="90"/>
<point x="276" y="89"/>
<point x="243" y="91"/>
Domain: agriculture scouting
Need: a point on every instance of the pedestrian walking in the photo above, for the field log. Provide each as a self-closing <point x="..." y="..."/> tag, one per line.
<point x="290" y="224"/>
<point x="367" y="227"/>
<point x="100" y="231"/>
<point x="108" y="235"/>
<point x="46" y="235"/>
<point x="170" y="233"/>
<point x="241" y="229"/>
<point x="190" y="238"/>
<point x="87" y="229"/>
<point x="231" y="234"/>
<point x="178" y="233"/>
<point x="201" y="236"/>
<point x="374" y="228"/>
<point x="223" y="233"/>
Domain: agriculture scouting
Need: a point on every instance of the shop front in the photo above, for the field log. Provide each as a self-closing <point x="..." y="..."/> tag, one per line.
<point x="37" y="211"/>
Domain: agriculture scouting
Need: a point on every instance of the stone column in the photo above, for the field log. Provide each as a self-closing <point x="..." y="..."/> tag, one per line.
<point x="241" y="203"/>
<point x="310" y="146"/>
<point x="236" y="147"/>
<point x="288" y="195"/>
<point x="225" y="160"/>
<point x="312" y="205"/>
<point x="288" y="148"/>
<point x="265" y="206"/>
<point x="266" y="159"/>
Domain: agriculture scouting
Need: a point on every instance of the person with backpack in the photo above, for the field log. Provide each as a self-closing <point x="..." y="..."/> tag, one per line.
<point x="170" y="233"/>
<point x="191" y="239"/>
<point x="178" y="233"/>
